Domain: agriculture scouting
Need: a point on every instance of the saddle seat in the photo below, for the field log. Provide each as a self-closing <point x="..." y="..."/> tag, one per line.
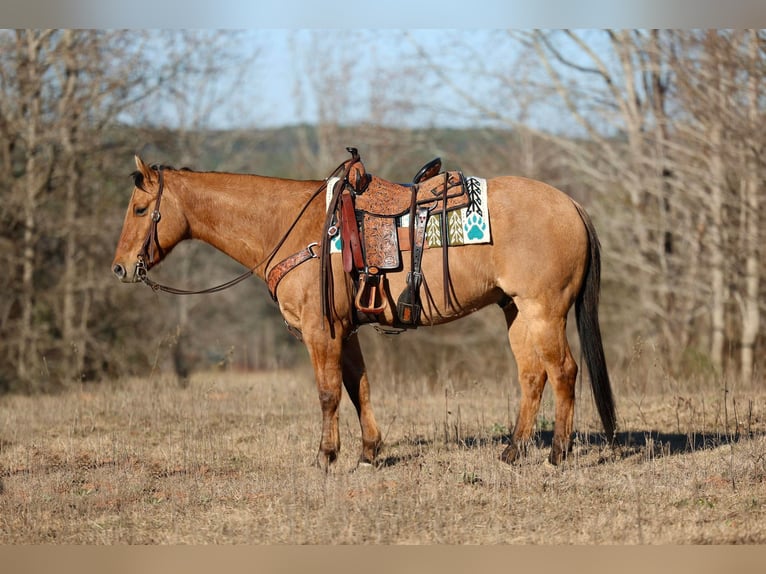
<point x="383" y="198"/>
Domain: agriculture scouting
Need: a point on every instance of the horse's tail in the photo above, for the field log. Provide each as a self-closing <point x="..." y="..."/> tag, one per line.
<point x="586" y="312"/>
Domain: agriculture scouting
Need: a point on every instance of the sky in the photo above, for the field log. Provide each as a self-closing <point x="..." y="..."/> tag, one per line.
<point x="266" y="96"/>
<point x="281" y="77"/>
<point x="290" y="60"/>
<point x="280" y="86"/>
<point x="364" y="77"/>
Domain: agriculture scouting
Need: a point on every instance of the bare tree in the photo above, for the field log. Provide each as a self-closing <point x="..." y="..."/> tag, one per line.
<point x="63" y="94"/>
<point x="24" y="121"/>
<point x="658" y="138"/>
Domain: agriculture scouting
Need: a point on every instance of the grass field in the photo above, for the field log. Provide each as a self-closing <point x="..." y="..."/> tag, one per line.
<point x="229" y="459"/>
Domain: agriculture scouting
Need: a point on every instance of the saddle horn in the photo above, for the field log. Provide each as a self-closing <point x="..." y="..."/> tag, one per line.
<point x="431" y="169"/>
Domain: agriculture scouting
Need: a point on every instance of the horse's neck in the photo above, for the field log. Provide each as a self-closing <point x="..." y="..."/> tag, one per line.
<point x="244" y="216"/>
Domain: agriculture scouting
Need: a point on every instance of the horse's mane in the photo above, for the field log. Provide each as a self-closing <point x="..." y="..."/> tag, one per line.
<point x="138" y="177"/>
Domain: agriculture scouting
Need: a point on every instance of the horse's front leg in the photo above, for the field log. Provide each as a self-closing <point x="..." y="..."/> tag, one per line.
<point x="358" y="388"/>
<point x="325" y="355"/>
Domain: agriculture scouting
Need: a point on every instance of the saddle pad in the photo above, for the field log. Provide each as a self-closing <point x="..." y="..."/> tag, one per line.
<point x="466" y="226"/>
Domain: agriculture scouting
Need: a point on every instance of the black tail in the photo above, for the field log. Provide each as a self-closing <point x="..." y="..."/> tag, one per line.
<point x="586" y="312"/>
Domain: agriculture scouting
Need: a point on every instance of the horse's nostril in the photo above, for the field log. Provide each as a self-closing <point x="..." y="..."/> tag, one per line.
<point x="119" y="271"/>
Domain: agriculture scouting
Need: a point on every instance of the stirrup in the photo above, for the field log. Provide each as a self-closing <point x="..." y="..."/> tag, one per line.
<point x="369" y="292"/>
<point x="408" y="306"/>
<point x="408" y="313"/>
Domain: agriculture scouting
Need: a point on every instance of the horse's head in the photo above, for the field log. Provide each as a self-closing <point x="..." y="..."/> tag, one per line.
<point x="154" y="224"/>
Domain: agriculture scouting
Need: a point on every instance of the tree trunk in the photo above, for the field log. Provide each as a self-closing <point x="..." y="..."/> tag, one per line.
<point x="29" y="45"/>
<point x="751" y="311"/>
<point x="71" y="334"/>
<point x="716" y="246"/>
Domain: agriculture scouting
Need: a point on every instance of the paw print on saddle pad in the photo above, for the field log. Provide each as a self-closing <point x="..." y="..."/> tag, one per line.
<point x="475" y="228"/>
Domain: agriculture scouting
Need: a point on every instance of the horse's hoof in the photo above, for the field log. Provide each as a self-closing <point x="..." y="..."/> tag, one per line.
<point x="510" y="454"/>
<point x="557" y="455"/>
<point x="325" y="460"/>
<point x="370" y="451"/>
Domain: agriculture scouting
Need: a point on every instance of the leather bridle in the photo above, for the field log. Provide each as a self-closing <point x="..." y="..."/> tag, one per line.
<point x="152" y="241"/>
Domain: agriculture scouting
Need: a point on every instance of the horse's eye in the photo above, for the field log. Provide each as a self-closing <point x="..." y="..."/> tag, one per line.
<point x="140" y="211"/>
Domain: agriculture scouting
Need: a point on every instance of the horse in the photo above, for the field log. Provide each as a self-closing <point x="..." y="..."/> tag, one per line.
<point x="543" y="258"/>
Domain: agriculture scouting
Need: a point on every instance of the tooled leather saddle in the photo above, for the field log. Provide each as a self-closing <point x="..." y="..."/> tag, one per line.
<point x="368" y="209"/>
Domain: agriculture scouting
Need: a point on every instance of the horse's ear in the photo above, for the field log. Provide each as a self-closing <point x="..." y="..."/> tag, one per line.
<point x="144" y="170"/>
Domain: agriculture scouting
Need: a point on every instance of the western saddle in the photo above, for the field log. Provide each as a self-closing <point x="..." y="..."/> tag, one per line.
<point x="366" y="210"/>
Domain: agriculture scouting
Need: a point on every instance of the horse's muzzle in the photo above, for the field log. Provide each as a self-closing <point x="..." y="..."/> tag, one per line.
<point x="121" y="273"/>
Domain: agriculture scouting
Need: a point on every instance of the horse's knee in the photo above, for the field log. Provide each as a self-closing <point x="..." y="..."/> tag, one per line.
<point x="329" y="399"/>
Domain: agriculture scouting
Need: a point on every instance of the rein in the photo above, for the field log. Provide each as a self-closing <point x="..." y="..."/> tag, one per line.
<point x="152" y="241"/>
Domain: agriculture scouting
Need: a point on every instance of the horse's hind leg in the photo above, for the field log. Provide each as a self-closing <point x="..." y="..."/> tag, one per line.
<point x="358" y="388"/>
<point x="532" y="379"/>
<point x="548" y="332"/>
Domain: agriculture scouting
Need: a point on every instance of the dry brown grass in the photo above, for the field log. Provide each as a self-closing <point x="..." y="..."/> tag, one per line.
<point x="229" y="460"/>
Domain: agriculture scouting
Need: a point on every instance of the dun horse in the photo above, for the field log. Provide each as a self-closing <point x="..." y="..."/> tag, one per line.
<point x="544" y="257"/>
